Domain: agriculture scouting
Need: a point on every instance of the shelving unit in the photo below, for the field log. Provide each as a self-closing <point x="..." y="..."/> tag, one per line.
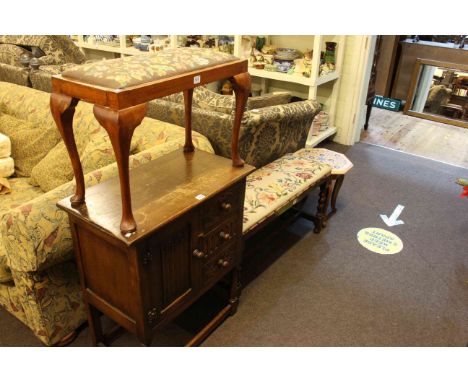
<point x="298" y="85"/>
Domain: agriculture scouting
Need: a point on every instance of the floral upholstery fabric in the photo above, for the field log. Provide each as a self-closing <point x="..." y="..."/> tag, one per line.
<point x="30" y="142"/>
<point x="14" y="74"/>
<point x="265" y="135"/>
<point x="22" y="192"/>
<point x="40" y="284"/>
<point x="41" y="79"/>
<point x="135" y="70"/>
<point x="339" y="162"/>
<point x="273" y="186"/>
<point x="10" y="54"/>
<point x="58" y="49"/>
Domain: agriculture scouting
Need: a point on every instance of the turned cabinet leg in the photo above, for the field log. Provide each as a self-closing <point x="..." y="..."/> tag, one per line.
<point x="336" y="189"/>
<point x="236" y="289"/>
<point x="120" y="125"/>
<point x="63" y="109"/>
<point x="322" y="206"/>
<point x="188" y="96"/>
<point x="241" y="84"/>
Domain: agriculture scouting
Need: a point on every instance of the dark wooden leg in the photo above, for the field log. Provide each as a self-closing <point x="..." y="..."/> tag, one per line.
<point x="322" y="206"/>
<point x="236" y="289"/>
<point x="188" y="95"/>
<point x="241" y="84"/>
<point x="95" y="328"/>
<point x="63" y="110"/>
<point x="370" y="102"/>
<point x="120" y="125"/>
<point x="336" y="189"/>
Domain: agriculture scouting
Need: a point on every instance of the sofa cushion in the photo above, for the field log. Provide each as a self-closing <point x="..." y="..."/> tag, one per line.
<point x="30" y="142"/>
<point x="206" y="99"/>
<point x="272" y="99"/>
<point x="10" y="54"/>
<point x="278" y="183"/>
<point x="22" y="192"/>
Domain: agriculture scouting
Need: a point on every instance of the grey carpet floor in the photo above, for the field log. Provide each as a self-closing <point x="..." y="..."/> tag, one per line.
<point x="304" y="289"/>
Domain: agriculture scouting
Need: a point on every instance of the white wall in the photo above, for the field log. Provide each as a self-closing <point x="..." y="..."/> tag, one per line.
<point x="355" y="73"/>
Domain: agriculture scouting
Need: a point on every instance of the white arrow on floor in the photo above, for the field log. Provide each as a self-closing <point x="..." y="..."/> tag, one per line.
<point x="393" y="219"/>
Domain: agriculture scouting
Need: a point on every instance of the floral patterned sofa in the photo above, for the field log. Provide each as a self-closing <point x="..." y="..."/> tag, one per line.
<point x="271" y="127"/>
<point x="55" y="53"/>
<point x="38" y="277"/>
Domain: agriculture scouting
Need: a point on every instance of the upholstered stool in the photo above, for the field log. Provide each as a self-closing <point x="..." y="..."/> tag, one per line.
<point x="120" y="90"/>
<point x="281" y="184"/>
<point x="340" y="166"/>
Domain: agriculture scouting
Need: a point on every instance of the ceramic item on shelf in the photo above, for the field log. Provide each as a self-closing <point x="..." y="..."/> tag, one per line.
<point x="307" y="63"/>
<point x="270" y="67"/>
<point x="330" y="49"/>
<point x="269" y="49"/>
<point x="227" y="88"/>
<point x="283" y="65"/>
<point x="260" y="43"/>
<point x="324" y="118"/>
<point x="287" y="54"/>
<point x="259" y="65"/>
<point x="25" y="58"/>
<point x="34" y="63"/>
<point x="299" y="66"/>
<point x="268" y="58"/>
<point x="326" y="68"/>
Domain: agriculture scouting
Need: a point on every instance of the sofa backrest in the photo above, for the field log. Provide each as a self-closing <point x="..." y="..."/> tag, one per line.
<point x="57" y="49"/>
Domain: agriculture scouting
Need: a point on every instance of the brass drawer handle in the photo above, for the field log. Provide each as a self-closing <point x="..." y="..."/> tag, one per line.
<point x="225" y="236"/>
<point x="226" y="206"/>
<point x="223" y="263"/>
<point x="198" y="254"/>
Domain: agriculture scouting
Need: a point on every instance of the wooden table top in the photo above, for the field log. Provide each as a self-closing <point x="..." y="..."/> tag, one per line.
<point x="162" y="190"/>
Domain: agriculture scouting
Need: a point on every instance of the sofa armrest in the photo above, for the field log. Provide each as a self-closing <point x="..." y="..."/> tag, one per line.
<point x="36" y="235"/>
<point x="270" y="132"/>
<point x="14" y="74"/>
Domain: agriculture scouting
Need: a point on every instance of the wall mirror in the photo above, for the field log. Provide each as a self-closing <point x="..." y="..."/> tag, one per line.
<point x="439" y="92"/>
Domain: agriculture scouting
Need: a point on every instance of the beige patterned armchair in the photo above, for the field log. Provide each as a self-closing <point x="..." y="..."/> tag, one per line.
<point x="51" y="51"/>
<point x="271" y="127"/>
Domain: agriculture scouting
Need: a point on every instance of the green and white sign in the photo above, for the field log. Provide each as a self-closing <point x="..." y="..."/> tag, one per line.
<point x="386" y="103"/>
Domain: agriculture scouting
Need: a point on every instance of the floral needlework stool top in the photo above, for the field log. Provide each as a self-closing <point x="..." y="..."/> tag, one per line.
<point x="339" y="163"/>
<point x="136" y="70"/>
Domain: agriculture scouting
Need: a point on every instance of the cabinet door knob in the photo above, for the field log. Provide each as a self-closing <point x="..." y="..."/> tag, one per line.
<point x="199" y="254"/>
<point x="226" y="206"/>
<point x="224" y="235"/>
<point x="223" y="263"/>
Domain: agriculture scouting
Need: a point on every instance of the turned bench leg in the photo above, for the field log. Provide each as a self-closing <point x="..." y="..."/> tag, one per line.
<point x="188" y="96"/>
<point x="63" y="110"/>
<point x="241" y="84"/>
<point x="334" y="193"/>
<point x="120" y="125"/>
<point x="322" y="206"/>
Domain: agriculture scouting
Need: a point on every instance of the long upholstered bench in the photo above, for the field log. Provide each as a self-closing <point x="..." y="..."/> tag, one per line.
<point x="280" y="185"/>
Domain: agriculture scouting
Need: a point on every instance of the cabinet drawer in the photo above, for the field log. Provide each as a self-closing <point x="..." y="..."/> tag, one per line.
<point x="217" y="239"/>
<point x="220" y="264"/>
<point x="222" y="207"/>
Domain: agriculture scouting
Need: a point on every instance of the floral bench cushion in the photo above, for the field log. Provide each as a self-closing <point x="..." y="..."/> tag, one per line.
<point x="339" y="162"/>
<point x="275" y="185"/>
<point x="136" y="70"/>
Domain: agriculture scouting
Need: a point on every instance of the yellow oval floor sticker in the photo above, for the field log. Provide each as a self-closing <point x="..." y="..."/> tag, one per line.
<point x="380" y="241"/>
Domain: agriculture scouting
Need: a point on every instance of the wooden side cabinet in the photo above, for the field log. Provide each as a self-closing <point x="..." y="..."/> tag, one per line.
<point x="189" y="209"/>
